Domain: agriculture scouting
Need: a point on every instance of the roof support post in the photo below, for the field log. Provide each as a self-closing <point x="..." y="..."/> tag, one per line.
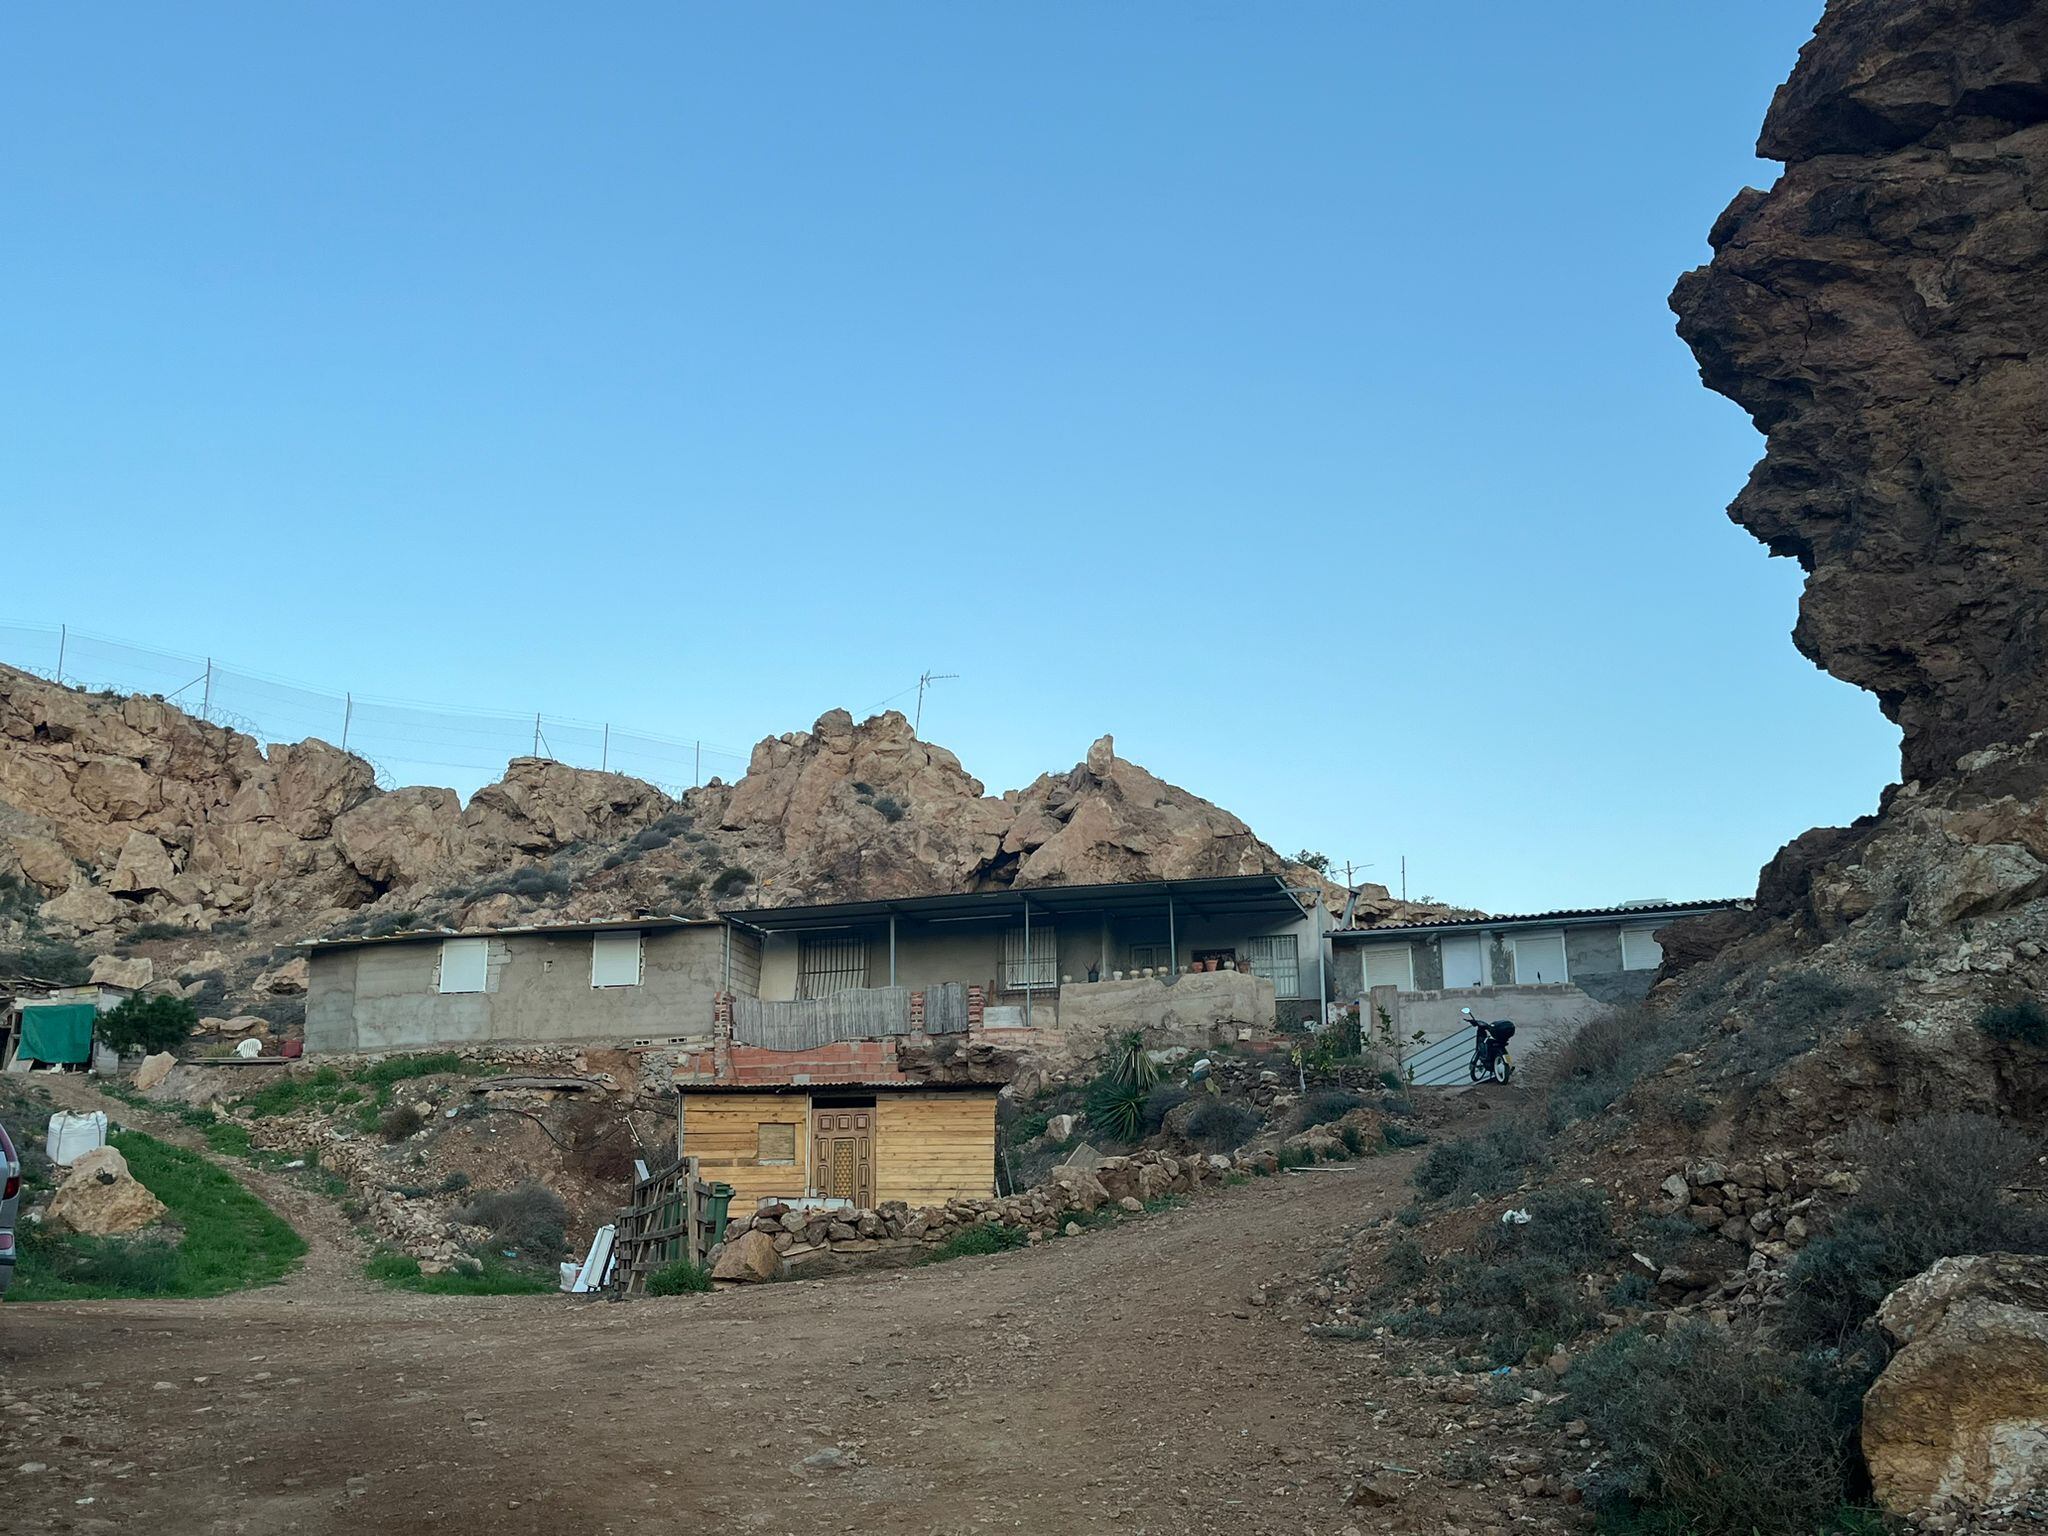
<point x="1027" y="963"/>
<point x="1172" y="938"/>
<point x="892" y="949"/>
<point x="1322" y="949"/>
<point x="726" y="984"/>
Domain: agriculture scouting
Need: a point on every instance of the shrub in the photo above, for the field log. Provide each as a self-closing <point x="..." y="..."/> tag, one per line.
<point x="1707" y="1435"/>
<point x="148" y="1022"/>
<point x="1796" y="1010"/>
<point x="1397" y="1135"/>
<point x="1117" y="1108"/>
<point x="1404" y="1265"/>
<point x="400" y="1121"/>
<point x="455" y="1183"/>
<point x="1323" y="1105"/>
<point x="647" y="839"/>
<point x="2024" y="1022"/>
<point x="1222" y="1125"/>
<point x="143" y="932"/>
<point x="1568" y="1224"/>
<point x="983" y="1237"/>
<point x="1933" y="1187"/>
<point x="1479" y="1165"/>
<point x="45" y="959"/>
<point x="1511" y="1300"/>
<point x="681" y="1278"/>
<point x="1605" y="1059"/>
<point x="888" y="807"/>
<point x="731" y="881"/>
<point x="1162" y="1101"/>
<point x="530" y="1218"/>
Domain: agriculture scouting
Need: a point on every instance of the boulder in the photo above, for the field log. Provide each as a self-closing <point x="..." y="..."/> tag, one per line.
<point x="154" y="1069"/>
<point x="1059" y="1130"/>
<point x="287" y="980"/>
<point x="1958" y="1421"/>
<point x="399" y="838"/>
<point x="114" y="971"/>
<point x="750" y="1257"/>
<point x="144" y="866"/>
<point x="101" y="1198"/>
<point x="44" y="862"/>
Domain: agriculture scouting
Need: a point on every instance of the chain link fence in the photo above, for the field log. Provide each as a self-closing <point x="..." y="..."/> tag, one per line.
<point x="406" y="742"/>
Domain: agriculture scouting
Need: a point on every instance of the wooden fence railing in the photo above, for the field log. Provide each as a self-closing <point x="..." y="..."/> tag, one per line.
<point x="670" y="1219"/>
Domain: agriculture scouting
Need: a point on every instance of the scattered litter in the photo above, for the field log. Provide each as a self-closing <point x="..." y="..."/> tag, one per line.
<point x="1514" y="1218"/>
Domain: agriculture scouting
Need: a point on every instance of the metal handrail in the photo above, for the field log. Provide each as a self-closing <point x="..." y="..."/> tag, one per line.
<point x="1432" y="1065"/>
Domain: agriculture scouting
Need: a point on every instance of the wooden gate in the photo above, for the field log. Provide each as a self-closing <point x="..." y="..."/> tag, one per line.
<point x="843" y="1154"/>
<point x="669" y="1219"/>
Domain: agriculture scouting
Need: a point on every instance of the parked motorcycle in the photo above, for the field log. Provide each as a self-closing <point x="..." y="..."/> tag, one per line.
<point x="1490" y="1059"/>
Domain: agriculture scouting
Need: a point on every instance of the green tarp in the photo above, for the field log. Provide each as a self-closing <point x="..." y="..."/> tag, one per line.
<point x="58" y="1032"/>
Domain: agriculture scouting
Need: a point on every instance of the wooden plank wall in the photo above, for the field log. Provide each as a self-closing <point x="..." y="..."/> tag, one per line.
<point x="930" y="1147"/>
<point x="721" y="1130"/>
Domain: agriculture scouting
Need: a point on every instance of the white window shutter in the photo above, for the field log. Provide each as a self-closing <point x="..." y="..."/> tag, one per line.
<point x="615" y="959"/>
<point x="465" y="964"/>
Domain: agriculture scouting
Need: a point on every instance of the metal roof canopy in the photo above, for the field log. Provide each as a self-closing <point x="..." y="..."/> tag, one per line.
<point x="1219" y="896"/>
<point x="435" y="935"/>
<point x="843" y="1085"/>
<point x="1566" y="918"/>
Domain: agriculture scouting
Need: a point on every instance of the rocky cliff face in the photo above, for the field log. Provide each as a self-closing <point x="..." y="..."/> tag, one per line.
<point x="1882" y="313"/>
<point x="124" y="821"/>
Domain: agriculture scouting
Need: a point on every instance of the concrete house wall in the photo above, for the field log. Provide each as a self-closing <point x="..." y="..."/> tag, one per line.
<point x="1543" y="1014"/>
<point x="386" y="996"/>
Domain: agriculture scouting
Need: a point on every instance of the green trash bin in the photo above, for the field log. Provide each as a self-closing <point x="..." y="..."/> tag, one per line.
<point x="720" y="1200"/>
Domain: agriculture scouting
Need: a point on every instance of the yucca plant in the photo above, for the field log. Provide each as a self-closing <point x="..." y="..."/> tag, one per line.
<point x="1116" y="1099"/>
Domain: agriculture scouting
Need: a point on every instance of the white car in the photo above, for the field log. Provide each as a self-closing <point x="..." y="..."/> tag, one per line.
<point x="10" y="1203"/>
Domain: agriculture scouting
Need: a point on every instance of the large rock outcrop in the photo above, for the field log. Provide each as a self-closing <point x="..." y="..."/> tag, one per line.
<point x="1959" y="1418"/>
<point x="1882" y="314"/>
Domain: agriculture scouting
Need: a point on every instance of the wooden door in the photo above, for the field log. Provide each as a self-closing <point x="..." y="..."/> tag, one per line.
<point x="843" y="1154"/>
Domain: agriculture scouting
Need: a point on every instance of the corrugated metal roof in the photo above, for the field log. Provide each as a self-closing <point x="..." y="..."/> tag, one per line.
<point x="841" y="1085"/>
<point x="1218" y="895"/>
<point x="420" y="935"/>
<point x="1561" y="915"/>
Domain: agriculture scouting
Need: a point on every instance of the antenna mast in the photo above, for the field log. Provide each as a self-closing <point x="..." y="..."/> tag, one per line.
<point x="925" y="681"/>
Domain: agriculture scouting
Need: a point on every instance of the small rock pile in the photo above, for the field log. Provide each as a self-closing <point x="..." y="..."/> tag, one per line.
<point x="779" y="1239"/>
<point x="1766" y="1206"/>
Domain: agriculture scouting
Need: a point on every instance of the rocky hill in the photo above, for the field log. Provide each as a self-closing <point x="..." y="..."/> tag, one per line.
<point x="1882" y="313"/>
<point x="127" y="824"/>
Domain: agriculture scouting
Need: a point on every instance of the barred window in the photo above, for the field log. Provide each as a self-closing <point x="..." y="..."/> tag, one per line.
<point x="1277" y="957"/>
<point x="826" y="966"/>
<point x="1042" y="972"/>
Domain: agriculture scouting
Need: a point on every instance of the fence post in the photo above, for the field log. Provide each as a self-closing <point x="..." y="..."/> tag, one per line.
<point x="206" y="698"/>
<point x="693" y="1239"/>
<point x="348" y="712"/>
<point x="63" y="639"/>
<point x="604" y="761"/>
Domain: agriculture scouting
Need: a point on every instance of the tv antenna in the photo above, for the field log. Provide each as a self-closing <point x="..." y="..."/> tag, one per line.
<point x="925" y="681"/>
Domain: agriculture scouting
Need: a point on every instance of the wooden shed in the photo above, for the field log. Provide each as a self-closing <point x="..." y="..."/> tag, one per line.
<point x="922" y="1144"/>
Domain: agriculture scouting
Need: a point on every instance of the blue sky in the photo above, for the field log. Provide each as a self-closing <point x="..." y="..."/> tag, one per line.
<point x="1289" y="390"/>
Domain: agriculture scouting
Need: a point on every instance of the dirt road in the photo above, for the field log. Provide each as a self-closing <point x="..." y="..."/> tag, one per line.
<point x="1125" y="1380"/>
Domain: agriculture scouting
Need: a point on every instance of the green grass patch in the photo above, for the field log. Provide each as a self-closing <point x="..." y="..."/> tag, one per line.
<point x="231" y="1240"/>
<point x="324" y="1089"/>
<point x="983" y="1237"/>
<point x="230" y="1138"/>
<point x="681" y="1278"/>
<point x="402" y="1272"/>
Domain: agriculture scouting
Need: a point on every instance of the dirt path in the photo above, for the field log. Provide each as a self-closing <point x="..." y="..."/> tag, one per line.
<point x="1122" y="1380"/>
<point x="335" y="1251"/>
